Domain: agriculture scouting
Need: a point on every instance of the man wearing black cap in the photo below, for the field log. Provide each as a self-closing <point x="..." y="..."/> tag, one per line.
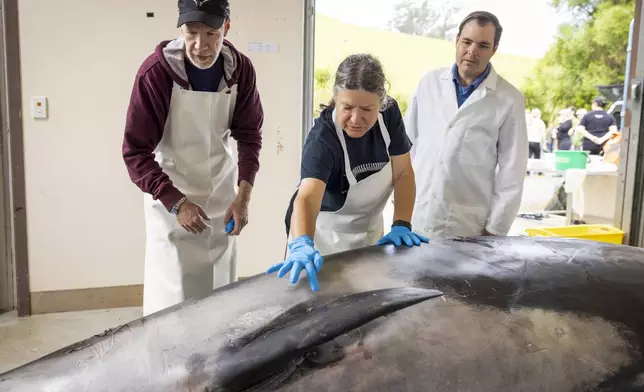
<point x="597" y="126"/>
<point x="189" y="97"/>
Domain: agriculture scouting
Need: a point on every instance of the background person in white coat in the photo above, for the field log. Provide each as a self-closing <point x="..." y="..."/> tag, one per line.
<point x="536" y="133"/>
<point x="355" y="156"/>
<point x="470" y="151"/>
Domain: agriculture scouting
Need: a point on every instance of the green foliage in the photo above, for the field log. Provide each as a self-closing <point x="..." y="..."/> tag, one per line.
<point x="585" y="55"/>
<point x="586" y="8"/>
<point x="322" y="78"/>
<point x="323" y="89"/>
<point x="403" y="102"/>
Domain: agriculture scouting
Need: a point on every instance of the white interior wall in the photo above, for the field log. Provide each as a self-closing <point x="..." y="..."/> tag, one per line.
<point x="84" y="216"/>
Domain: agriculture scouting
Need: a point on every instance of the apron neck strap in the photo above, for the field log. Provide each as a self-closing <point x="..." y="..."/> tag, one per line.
<point x="180" y="87"/>
<point x="384" y="131"/>
<point x="347" y="163"/>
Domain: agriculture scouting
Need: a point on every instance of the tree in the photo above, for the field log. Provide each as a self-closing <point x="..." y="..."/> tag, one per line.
<point x="323" y="89"/>
<point x="588" y="52"/>
<point x="586" y="8"/>
<point x="445" y="24"/>
<point x="425" y="18"/>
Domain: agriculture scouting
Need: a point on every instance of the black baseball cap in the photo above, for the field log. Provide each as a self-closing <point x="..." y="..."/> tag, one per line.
<point x="600" y="101"/>
<point x="209" y="12"/>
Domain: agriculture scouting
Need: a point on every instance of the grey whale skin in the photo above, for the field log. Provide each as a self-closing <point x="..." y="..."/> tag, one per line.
<point x="515" y="314"/>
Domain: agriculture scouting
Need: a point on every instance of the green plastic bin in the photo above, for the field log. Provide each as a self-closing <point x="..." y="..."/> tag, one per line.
<point x="570" y="159"/>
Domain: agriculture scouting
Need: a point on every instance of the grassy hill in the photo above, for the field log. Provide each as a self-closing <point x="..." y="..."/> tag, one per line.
<point x="405" y="57"/>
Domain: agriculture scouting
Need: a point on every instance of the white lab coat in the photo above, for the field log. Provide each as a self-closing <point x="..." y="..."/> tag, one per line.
<point x="536" y="130"/>
<point x="470" y="162"/>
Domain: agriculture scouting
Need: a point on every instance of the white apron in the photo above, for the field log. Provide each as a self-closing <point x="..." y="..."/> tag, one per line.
<point x="195" y="153"/>
<point x="359" y="222"/>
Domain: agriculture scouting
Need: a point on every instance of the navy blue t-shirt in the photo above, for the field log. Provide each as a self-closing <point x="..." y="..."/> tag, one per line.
<point x="205" y="79"/>
<point x="323" y="157"/>
<point x="597" y="123"/>
<point x="562" y="135"/>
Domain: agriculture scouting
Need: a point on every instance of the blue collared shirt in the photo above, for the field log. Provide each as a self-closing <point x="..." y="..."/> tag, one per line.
<point x="462" y="92"/>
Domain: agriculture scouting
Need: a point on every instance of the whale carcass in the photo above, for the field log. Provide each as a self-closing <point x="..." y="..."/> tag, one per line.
<point x="457" y="314"/>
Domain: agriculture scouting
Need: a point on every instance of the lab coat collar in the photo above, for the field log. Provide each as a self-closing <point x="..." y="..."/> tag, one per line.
<point x="489" y="82"/>
<point x="450" y="104"/>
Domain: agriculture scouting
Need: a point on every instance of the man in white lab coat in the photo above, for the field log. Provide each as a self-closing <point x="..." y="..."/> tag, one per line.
<point x="468" y="128"/>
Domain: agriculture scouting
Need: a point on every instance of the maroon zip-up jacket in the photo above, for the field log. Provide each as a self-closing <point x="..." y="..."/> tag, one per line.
<point x="148" y="111"/>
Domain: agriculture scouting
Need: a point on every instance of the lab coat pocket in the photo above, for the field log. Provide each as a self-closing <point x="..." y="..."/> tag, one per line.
<point x="466" y="220"/>
<point x="477" y="145"/>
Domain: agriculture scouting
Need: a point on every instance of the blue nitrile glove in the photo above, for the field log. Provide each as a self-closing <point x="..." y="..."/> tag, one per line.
<point x="302" y="255"/>
<point x="230" y="225"/>
<point x="400" y="234"/>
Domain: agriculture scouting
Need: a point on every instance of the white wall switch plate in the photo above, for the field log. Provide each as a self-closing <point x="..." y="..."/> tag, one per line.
<point x="39" y="107"/>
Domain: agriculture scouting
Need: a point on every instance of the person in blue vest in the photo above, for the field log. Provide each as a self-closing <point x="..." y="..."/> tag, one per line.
<point x="355" y="156"/>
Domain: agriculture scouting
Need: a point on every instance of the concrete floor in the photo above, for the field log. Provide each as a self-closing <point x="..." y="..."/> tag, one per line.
<point x="25" y="339"/>
<point x="537" y="192"/>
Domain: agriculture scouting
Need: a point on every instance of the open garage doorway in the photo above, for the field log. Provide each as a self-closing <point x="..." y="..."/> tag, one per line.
<point x="541" y="45"/>
<point x="630" y="203"/>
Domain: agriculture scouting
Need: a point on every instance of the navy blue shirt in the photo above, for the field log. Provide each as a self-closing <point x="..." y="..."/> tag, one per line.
<point x="463" y="92"/>
<point x="205" y="79"/>
<point x="323" y="157"/>
<point x="597" y="123"/>
<point x="563" y="138"/>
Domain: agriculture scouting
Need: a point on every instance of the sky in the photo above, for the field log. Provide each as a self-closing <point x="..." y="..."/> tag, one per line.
<point x="529" y="26"/>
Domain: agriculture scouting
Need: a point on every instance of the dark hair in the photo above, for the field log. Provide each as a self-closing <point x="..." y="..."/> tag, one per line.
<point x="600" y="101"/>
<point x="484" y="18"/>
<point x="360" y="72"/>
